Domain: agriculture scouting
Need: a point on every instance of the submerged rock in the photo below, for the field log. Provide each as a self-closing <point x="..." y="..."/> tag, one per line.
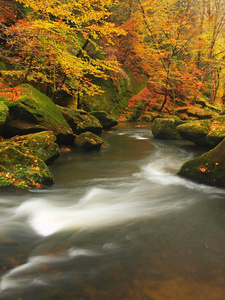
<point x="207" y="169"/>
<point x="206" y="133"/>
<point x="31" y="111"/>
<point x="20" y="170"/>
<point x="89" y="141"/>
<point x="80" y="121"/>
<point x="165" y="128"/>
<point x="105" y="120"/>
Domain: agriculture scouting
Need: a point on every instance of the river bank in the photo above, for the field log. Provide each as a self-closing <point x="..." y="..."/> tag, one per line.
<point x="34" y="128"/>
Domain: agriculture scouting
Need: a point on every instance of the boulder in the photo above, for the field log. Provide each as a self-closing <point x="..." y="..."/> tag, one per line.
<point x="89" y="141"/>
<point x="205" y="133"/>
<point x="20" y="170"/>
<point x="105" y="120"/>
<point x="208" y="168"/>
<point x="165" y="128"/>
<point x="42" y="144"/>
<point x="4" y="112"/>
<point x="194" y="131"/>
<point x="81" y="121"/>
<point x="31" y="111"/>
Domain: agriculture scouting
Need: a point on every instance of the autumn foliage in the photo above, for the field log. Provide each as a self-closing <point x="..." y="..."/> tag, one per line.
<point x="58" y="43"/>
<point x="177" y="45"/>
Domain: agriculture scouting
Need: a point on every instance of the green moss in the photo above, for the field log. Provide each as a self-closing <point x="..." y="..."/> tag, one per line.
<point x="81" y="121"/>
<point x="41" y="103"/>
<point x="116" y="94"/>
<point x="208" y="168"/>
<point x="3" y="114"/>
<point x="165" y="128"/>
<point x="147" y="117"/>
<point x="136" y="111"/>
<point x="88" y="141"/>
<point x="194" y="131"/>
<point x="42" y="144"/>
<point x="207" y="133"/>
<point x="31" y="111"/>
<point x="23" y="170"/>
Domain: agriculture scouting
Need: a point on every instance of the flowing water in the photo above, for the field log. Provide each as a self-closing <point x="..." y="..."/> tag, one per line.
<point x="118" y="224"/>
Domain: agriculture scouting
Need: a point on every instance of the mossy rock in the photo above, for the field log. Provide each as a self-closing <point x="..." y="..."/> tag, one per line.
<point x="207" y="169"/>
<point x="31" y="111"/>
<point x="217" y="131"/>
<point x="4" y="112"/>
<point x="23" y="171"/>
<point x="89" y="141"/>
<point x="147" y="117"/>
<point x="105" y="120"/>
<point x="80" y="121"/>
<point x="194" y="131"/>
<point x="165" y="128"/>
<point x="42" y="144"/>
<point x="206" y="133"/>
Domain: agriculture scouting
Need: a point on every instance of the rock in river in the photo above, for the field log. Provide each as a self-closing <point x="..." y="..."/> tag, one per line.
<point x="207" y="169"/>
<point x="89" y="141"/>
<point x="23" y="171"/>
<point x="165" y="128"/>
<point x="205" y="133"/>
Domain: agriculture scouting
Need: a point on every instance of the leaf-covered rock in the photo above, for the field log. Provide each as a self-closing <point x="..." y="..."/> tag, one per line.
<point x="22" y="171"/>
<point x="207" y="169"/>
<point x="105" y="120"/>
<point x="42" y="144"/>
<point x="206" y="133"/>
<point x="31" y="111"/>
<point x="164" y="128"/>
<point x="89" y="141"/>
<point x="81" y="121"/>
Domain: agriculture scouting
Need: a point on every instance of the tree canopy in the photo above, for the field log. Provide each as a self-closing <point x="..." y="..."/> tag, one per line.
<point x="49" y="43"/>
<point x="177" y="44"/>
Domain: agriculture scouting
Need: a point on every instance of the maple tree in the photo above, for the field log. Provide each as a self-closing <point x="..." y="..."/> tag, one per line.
<point x="59" y="43"/>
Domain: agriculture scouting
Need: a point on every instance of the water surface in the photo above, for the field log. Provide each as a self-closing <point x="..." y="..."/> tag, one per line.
<point x="117" y="224"/>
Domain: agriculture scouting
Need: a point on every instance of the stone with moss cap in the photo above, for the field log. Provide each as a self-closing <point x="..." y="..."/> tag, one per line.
<point x="23" y="171"/>
<point x="89" y="141"/>
<point x="81" y="121"/>
<point x="31" y="111"/>
<point x="41" y="144"/>
<point x="206" y="133"/>
<point x="165" y="128"/>
<point x="105" y="119"/>
<point x="207" y="169"/>
<point x="194" y="131"/>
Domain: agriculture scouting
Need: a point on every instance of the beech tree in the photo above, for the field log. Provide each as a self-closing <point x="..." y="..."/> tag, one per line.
<point x="51" y="43"/>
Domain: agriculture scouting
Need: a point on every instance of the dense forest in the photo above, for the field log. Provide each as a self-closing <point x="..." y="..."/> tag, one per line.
<point x="97" y="54"/>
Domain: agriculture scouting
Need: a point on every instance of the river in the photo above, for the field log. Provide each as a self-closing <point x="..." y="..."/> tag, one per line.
<point x="118" y="224"/>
